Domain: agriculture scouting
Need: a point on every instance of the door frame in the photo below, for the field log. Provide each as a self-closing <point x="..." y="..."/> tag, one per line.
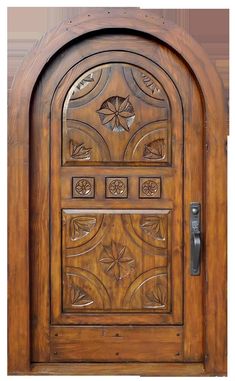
<point x="215" y="175"/>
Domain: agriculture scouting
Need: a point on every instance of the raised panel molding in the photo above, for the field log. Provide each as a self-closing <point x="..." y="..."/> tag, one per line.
<point x="131" y="125"/>
<point x="131" y="271"/>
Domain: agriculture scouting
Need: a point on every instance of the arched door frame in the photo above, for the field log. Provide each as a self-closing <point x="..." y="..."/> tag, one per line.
<point x="215" y="182"/>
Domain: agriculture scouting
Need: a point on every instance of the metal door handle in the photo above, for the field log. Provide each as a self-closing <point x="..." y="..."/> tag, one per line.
<point x="196" y="254"/>
<point x="195" y="231"/>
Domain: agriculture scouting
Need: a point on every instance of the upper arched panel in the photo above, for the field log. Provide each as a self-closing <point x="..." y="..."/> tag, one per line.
<point x="118" y="106"/>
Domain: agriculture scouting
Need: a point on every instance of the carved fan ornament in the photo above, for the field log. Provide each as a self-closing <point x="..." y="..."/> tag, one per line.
<point x="83" y="83"/>
<point x="117" y="114"/>
<point x="117" y="261"/>
<point x="155" y="150"/>
<point x="79" y="151"/>
<point x="156" y="298"/>
<point x="155" y="90"/>
<point x="153" y="226"/>
<point x="79" y="297"/>
<point x="81" y="226"/>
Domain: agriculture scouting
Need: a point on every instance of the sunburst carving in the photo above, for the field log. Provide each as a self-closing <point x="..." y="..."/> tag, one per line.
<point x="117" y="261"/>
<point x="117" y="114"/>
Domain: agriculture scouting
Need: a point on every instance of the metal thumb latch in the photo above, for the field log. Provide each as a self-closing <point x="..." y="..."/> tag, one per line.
<point x="195" y="233"/>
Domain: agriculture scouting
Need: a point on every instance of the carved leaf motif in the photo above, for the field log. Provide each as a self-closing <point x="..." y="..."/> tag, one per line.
<point x="156" y="298"/>
<point x="79" y="297"/>
<point x="84" y="82"/>
<point x="153" y="225"/>
<point x="155" y="150"/>
<point x="81" y="226"/>
<point x="155" y="90"/>
<point x="79" y="151"/>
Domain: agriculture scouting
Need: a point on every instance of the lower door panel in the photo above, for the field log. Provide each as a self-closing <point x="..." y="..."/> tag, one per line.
<point x="116" y="344"/>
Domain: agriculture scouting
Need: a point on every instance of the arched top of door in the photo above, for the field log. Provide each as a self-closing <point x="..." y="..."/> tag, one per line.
<point x="134" y="20"/>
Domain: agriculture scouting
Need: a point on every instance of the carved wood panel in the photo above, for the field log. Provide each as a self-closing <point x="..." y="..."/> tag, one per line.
<point x="117" y="182"/>
<point x="116" y="262"/>
<point x="128" y="119"/>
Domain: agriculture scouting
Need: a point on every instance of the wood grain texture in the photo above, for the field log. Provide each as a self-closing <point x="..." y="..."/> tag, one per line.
<point x="143" y="369"/>
<point x="110" y="189"/>
<point x="215" y="329"/>
<point x="116" y="344"/>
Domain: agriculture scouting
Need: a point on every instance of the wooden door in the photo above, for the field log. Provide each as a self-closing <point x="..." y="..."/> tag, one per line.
<point x="116" y="158"/>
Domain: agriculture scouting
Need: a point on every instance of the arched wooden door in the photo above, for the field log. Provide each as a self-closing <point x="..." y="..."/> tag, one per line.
<point x="116" y="159"/>
<point x="123" y="112"/>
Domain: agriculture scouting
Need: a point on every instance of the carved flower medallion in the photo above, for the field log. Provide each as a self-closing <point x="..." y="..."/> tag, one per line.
<point x="117" y="187"/>
<point x="83" y="187"/>
<point x="150" y="188"/>
<point x="117" y="262"/>
<point x="117" y="114"/>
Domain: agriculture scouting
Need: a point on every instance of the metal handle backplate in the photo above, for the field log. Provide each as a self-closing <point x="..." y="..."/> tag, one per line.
<point x="195" y="233"/>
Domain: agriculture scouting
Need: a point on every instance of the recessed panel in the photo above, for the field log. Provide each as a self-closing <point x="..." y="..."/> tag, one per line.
<point x="116" y="262"/>
<point x="128" y="119"/>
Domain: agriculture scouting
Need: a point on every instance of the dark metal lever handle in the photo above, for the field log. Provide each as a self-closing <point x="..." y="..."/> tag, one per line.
<point x="196" y="249"/>
<point x="195" y="232"/>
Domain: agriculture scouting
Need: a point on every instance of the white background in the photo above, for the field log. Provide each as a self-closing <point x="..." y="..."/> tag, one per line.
<point x="3" y="166"/>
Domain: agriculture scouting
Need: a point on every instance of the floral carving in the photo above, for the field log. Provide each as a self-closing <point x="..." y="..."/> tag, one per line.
<point x="117" y="114"/>
<point x="81" y="226"/>
<point x="117" y="187"/>
<point x="83" y="187"/>
<point x="150" y="188"/>
<point x="79" y="297"/>
<point x="156" y="298"/>
<point x="153" y="226"/>
<point x="117" y="261"/>
<point x="155" y="150"/>
<point x="79" y="151"/>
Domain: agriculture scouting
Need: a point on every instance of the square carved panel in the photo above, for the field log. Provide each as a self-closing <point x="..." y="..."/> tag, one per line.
<point x="116" y="262"/>
<point x="83" y="187"/>
<point x="116" y="187"/>
<point x="149" y="187"/>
